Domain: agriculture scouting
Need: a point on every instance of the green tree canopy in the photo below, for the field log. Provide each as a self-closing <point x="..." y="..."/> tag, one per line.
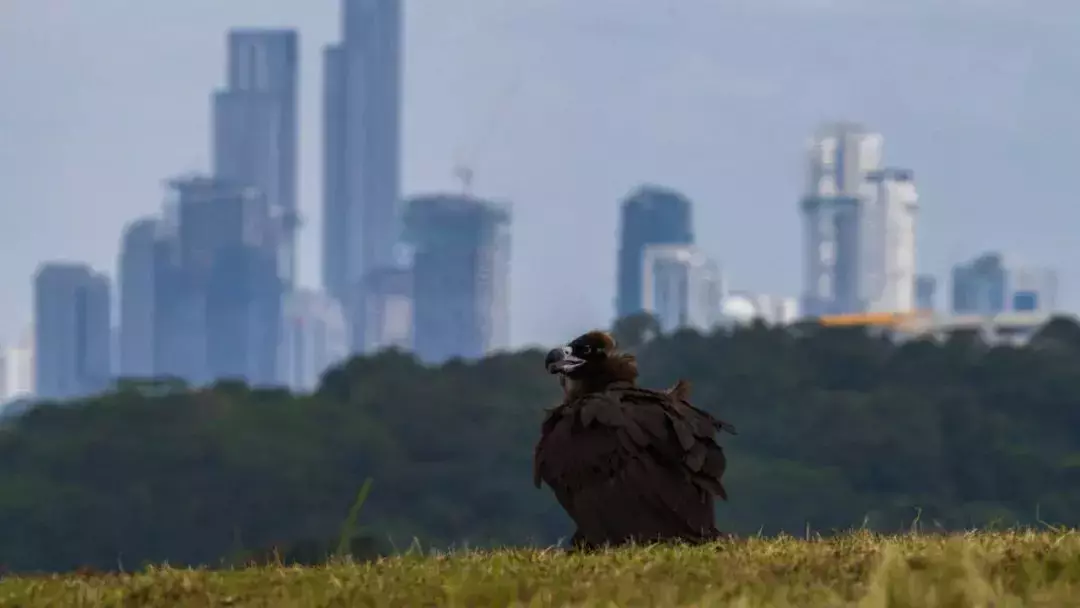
<point x="837" y="428"/>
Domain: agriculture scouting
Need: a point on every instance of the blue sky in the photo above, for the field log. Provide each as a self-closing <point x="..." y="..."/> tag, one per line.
<point x="562" y="107"/>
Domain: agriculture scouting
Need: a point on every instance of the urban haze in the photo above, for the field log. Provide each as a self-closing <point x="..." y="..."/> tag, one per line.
<point x="563" y="109"/>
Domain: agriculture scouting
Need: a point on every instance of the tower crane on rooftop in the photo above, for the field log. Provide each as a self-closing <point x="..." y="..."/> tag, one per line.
<point x="464" y="174"/>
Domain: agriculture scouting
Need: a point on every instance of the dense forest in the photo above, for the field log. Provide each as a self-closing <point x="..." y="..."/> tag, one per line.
<point x="838" y="428"/>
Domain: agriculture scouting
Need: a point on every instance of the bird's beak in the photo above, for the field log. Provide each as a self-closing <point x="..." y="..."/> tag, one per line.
<point x="562" y="360"/>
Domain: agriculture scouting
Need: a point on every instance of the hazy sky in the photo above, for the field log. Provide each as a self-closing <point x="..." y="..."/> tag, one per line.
<point x="562" y="107"/>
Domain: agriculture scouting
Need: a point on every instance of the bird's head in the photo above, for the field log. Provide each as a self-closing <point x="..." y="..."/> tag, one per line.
<point x="592" y="356"/>
<point x="582" y="353"/>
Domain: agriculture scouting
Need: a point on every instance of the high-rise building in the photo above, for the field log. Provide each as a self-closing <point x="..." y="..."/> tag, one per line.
<point x="461" y="269"/>
<point x="681" y="287"/>
<point x="72" y="331"/>
<point x="218" y="293"/>
<point x="362" y="131"/>
<point x="314" y="337"/>
<point x="136" y="299"/>
<point x="114" y="348"/>
<point x="990" y="285"/>
<point x="859" y="226"/>
<point x="651" y="215"/>
<point x="925" y="293"/>
<point x="840" y="157"/>
<point x="256" y="129"/>
<point x="17" y="369"/>
<point x="888" y="241"/>
<point x="373" y="52"/>
<point x="335" y="179"/>
<point x="21" y="360"/>
<point x="388" y="309"/>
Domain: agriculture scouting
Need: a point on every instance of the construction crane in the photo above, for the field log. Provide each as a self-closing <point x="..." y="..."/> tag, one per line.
<point x="467" y="155"/>
<point x="464" y="174"/>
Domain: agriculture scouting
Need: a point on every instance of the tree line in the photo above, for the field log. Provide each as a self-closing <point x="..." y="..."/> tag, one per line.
<point x="838" y="428"/>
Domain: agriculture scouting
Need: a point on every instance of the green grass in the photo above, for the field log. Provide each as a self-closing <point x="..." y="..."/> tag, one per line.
<point x="1018" y="568"/>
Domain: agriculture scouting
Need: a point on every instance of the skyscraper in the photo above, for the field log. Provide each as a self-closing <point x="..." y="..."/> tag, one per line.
<point x="218" y="293"/>
<point x="72" y="331"/>
<point x="136" y="286"/>
<point x="362" y="98"/>
<point x="314" y="337"/>
<point x="681" y="287"/>
<point x="651" y="215"/>
<point x="840" y="157"/>
<point x="255" y="126"/>
<point x="335" y="217"/>
<point x="373" y="31"/>
<point x="890" y="208"/>
<point x="859" y="221"/>
<point x="461" y="268"/>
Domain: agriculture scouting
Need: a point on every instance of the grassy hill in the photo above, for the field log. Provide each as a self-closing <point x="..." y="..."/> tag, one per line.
<point x="1016" y="568"/>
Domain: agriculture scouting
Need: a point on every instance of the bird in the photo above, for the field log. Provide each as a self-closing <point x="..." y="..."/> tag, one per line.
<point x="628" y="464"/>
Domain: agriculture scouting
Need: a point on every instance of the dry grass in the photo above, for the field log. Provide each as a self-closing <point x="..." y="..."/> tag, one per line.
<point x="978" y="569"/>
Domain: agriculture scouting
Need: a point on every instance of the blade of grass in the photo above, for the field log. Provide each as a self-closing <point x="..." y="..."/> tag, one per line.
<point x="349" y="525"/>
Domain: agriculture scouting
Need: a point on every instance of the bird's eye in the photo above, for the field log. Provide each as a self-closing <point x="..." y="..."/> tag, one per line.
<point x="586" y="350"/>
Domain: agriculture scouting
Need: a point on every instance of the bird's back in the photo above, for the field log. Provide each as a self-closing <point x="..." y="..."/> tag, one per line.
<point x="633" y="463"/>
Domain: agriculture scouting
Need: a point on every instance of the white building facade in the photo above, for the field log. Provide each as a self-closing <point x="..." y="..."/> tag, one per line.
<point x="890" y="206"/>
<point x="17" y="370"/>
<point x="314" y="337"/>
<point x="681" y="287"/>
<point x="859" y="226"/>
<point x="744" y="307"/>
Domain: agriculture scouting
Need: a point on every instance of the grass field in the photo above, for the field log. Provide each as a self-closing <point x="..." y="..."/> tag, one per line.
<point x="977" y="569"/>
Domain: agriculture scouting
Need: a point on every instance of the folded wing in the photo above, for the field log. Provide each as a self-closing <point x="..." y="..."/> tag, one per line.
<point x="634" y="462"/>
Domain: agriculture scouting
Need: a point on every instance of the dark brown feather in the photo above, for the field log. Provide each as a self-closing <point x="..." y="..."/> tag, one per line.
<point x="681" y="391"/>
<point x="695" y="457"/>
<point x="629" y="463"/>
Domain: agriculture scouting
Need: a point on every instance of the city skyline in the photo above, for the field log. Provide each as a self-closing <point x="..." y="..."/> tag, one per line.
<point x="918" y="136"/>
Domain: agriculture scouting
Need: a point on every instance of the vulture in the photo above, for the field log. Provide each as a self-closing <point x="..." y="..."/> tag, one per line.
<point x="627" y="463"/>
